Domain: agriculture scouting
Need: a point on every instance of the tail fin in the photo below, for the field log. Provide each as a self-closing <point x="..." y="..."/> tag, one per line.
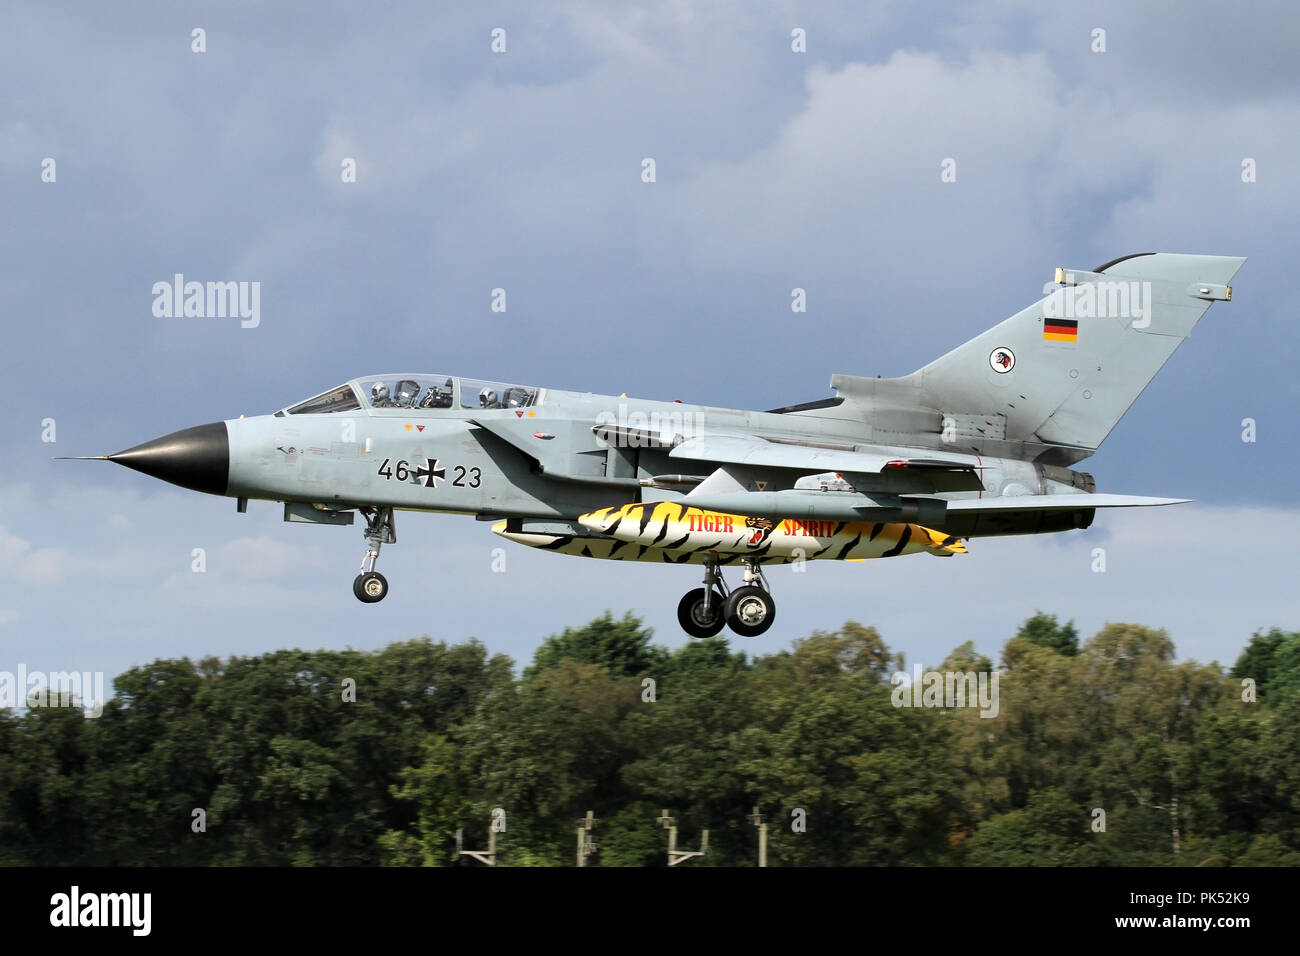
<point x="1066" y="369"/>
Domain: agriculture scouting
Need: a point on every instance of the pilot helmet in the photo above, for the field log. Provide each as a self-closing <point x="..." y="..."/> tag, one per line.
<point x="487" y="398"/>
<point x="379" y="392"/>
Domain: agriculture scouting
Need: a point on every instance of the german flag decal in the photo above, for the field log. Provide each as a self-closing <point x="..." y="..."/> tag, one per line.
<point x="1060" y="330"/>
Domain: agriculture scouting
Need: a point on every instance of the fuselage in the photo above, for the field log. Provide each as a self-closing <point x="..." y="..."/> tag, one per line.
<point x="546" y="454"/>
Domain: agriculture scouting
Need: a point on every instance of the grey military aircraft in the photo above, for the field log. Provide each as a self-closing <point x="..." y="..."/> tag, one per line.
<point x="980" y="442"/>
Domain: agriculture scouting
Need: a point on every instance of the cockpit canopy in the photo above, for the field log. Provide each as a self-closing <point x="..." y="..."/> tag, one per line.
<point x="475" y="393"/>
<point x="416" y="390"/>
<point x="341" y="399"/>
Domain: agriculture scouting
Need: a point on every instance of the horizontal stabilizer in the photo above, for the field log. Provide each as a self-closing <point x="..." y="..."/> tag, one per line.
<point x="1058" y="503"/>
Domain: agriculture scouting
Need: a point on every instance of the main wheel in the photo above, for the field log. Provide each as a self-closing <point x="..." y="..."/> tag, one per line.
<point x="370" y="587"/>
<point x="750" y="611"/>
<point x="693" y="618"/>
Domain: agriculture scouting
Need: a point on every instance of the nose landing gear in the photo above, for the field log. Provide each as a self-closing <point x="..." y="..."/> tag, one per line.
<point x="748" y="610"/>
<point x="371" y="586"/>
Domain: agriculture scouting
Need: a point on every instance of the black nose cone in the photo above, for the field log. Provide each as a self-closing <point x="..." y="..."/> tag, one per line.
<point x="196" y="458"/>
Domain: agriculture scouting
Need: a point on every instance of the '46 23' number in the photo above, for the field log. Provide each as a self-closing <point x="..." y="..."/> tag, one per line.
<point x="430" y="473"/>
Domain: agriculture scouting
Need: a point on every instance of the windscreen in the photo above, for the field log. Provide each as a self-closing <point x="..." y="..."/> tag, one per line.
<point x="341" y="399"/>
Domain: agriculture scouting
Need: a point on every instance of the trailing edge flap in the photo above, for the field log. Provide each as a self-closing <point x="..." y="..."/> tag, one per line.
<point x="749" y="450"/>
<point x="1058" y="503"/>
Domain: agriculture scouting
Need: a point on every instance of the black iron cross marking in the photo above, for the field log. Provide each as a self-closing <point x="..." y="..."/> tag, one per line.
<point x="431" y="473"/>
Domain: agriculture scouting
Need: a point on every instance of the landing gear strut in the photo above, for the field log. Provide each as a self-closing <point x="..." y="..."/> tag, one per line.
<point x="371" y="586"/>
<point x="748" y="611"/>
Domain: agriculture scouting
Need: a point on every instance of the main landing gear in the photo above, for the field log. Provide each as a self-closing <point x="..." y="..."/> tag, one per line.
<point x="749" y="610"/>
<point x="371" y="586"/>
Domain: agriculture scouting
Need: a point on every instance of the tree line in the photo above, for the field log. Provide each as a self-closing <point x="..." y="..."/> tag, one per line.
<point x="1105" y="752"/>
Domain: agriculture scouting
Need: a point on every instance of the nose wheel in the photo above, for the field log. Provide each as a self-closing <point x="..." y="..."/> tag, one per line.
<point x="370" y="586"/>
<point x="749" y="610"/>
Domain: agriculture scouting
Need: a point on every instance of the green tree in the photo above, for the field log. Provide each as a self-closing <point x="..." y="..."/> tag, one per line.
<point x="1042" y="630"/>
<point x="438" y="785"/>
<point x="550" y="752"/>
<point x="1272" y="660"/>
<point x="870" y="780"/>
<point x="350" y="757"/>
<point x="1050" y="831"/>
<point x="622" y="647"/>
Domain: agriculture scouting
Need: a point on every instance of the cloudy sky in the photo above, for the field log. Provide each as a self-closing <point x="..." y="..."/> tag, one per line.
<point x="522" y="170"/>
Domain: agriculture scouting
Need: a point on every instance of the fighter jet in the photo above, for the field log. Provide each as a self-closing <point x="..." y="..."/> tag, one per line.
<point x="982" y="441"/>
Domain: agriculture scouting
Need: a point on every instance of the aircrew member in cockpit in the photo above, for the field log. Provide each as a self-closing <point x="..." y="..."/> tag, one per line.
<point x="438" y="397"/>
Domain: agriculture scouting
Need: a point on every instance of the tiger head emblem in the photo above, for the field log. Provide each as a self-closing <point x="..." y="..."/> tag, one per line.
<point x="761" y="529"/>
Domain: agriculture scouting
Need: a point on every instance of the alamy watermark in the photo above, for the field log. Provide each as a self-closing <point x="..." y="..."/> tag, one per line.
<point x="1104" y="298"/>
<point x="946" y="689"/>
<point x="81" y="689"/>
<point x="208" y="300"/>
<point x="634" y="428"/>
<point x="76" y="908"/>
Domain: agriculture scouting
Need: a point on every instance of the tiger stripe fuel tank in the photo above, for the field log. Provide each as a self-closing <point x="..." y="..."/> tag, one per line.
<point x="673" y="532"/>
